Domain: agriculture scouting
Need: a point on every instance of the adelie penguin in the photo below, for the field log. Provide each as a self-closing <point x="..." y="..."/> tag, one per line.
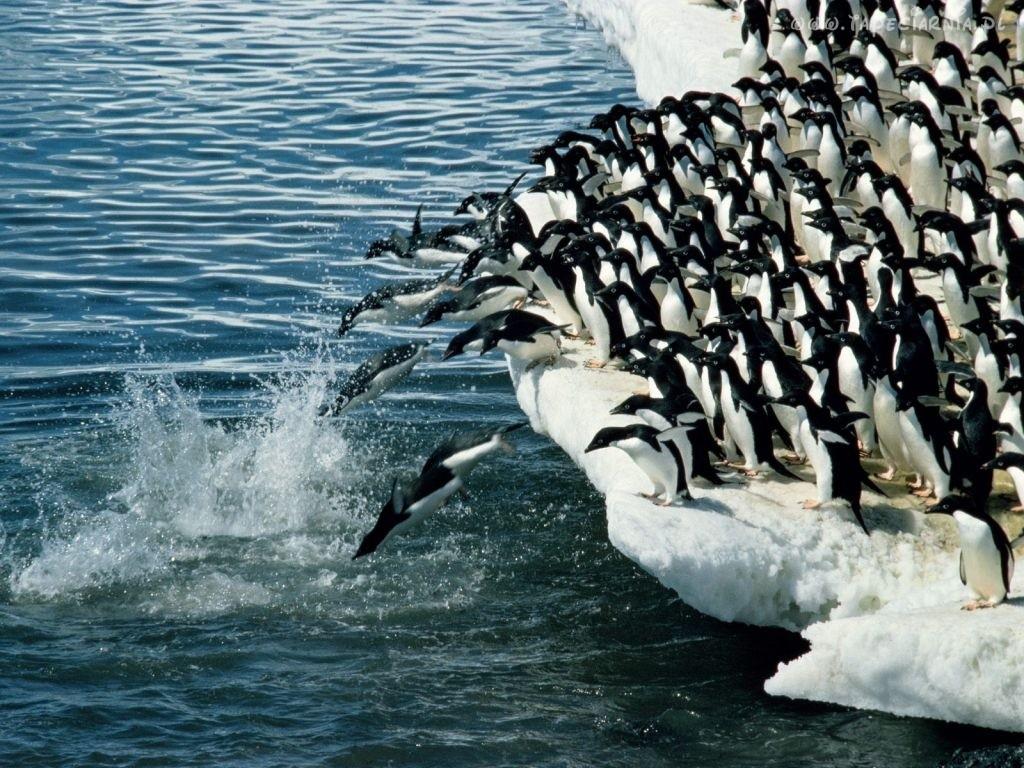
<point x="375" y="376"/>
<point x="394" y="302"/>
<point x="523" y="335"/>
<point x="831" y="447"/>
<point x="443" y="475"/>
<point x="986" y="556"/>
<point x="658" y="460"/>
<point x="476" y="300"/>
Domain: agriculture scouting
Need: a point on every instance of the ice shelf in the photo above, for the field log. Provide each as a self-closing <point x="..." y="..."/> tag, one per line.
<point x="882" y="613"/>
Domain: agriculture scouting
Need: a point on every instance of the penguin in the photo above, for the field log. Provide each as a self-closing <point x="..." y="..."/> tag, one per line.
<point x="443" y="474"/>
<point x="658" y="460"/>
<point x="749" y="425"/>
<point x="928" y="444"/>
<point x="521" y="339"/>
<point x="426" y="247"/>
<point x="986" y="557"/>
<point x="476" y="300"/>
<point x="679" y="418"/>
<point x="395" y="302"/>
<point x="379" y="373"/>
<point x="409" y="504"/>
<point x="523" y="324"/>
<point x="831" y="447"/>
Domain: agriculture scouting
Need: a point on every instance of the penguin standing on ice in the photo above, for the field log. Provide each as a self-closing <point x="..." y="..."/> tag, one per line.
<point x="658" y="460"/>
<point x="831" y="447"/>
<point x="986" y="556"/>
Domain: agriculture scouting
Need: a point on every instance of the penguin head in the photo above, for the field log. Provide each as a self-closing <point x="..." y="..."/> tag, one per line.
<point x="1005" y="461"/>
<point x="955" y="502"/>
<point x="1011" y="327"/>
<point x="612" y="436"/>
<point x="437" y="310"/>
<point x="1014" y="385"/>
<point x="979" y="326"/>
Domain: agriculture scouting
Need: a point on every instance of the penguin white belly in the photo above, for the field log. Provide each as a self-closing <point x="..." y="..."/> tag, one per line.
<point x="543" y="347"/>
<point x="887" y="427"/>
<point x="419" y="510"/>
<point x="595" y="321"/>
<point x="927" y="179"/>
<point x="851" y="384"/>
<point x="659" y="466"/>
<point x="922" y="454"/>
<point x="557" y="299"/>
<point x="630" y="322"/>
<point x="820" y="460"/>
<point x="740" y="429"/>
<point x="674" y="316"/>
<point x="982" y="563"/>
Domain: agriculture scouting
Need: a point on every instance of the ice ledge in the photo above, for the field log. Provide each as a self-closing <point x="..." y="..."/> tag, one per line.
<point x="881" y="612"/>
<point x="671" y="45"/>
<point x="932" y="661"/>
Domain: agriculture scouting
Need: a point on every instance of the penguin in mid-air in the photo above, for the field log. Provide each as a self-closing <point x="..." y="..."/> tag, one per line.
<point x="394" y="302"/>
<point x="443" y="475"/>
<point x="986" y="556"/>
<point x="379" y="373"/>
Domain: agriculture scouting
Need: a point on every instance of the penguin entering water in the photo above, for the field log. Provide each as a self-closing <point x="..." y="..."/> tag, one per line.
<point x="477" y="299"/>
<point x="986" y="557"/>
<point x="394" y="302"/>
<point x="443" y="475"/>
<point x="375" y="376"/>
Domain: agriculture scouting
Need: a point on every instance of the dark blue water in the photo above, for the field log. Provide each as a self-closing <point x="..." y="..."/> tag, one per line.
<point x="186" y="190"/>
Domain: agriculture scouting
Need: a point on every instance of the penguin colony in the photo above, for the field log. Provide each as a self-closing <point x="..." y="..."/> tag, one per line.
<point x="760" y="258"/>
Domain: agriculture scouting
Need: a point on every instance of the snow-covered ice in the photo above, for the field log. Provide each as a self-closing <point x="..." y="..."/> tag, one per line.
<point x="882" y="612"/>
<point x="919" y="655"/>
<point x="672" y="46"/>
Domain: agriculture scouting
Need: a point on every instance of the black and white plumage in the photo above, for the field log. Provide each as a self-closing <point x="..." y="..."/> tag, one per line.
<point x="657" y="458"/>
<point x="443" y="475"/>
<point x="986" y="557"/>
<point x="379" y="373"/>
<point x="476" y="299"/>
<point x="523" y="335"/>
<point x="394" y="302"/>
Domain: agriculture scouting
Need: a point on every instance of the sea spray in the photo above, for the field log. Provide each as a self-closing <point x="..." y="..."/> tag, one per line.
<point x="190" y="479"/>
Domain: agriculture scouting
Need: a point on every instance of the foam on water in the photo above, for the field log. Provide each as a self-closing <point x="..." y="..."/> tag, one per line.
<point x="190" y="479"/>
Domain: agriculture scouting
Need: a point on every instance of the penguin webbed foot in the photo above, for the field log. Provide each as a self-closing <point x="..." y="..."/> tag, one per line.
<point x="794" y="458"/>
<point x="889" y="474"/>
<point x="595" y="364"/>
<point x="811" y="504"/>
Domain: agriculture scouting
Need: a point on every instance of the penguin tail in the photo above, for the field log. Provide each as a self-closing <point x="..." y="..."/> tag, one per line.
<point x="855" y="506"/>
<point x="868" y="483"/>
<point x="711" y="476"/>
<point x="781" y="469"/>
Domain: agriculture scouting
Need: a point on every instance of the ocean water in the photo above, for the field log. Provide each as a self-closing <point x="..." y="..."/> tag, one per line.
<point x="186" y="191"/>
